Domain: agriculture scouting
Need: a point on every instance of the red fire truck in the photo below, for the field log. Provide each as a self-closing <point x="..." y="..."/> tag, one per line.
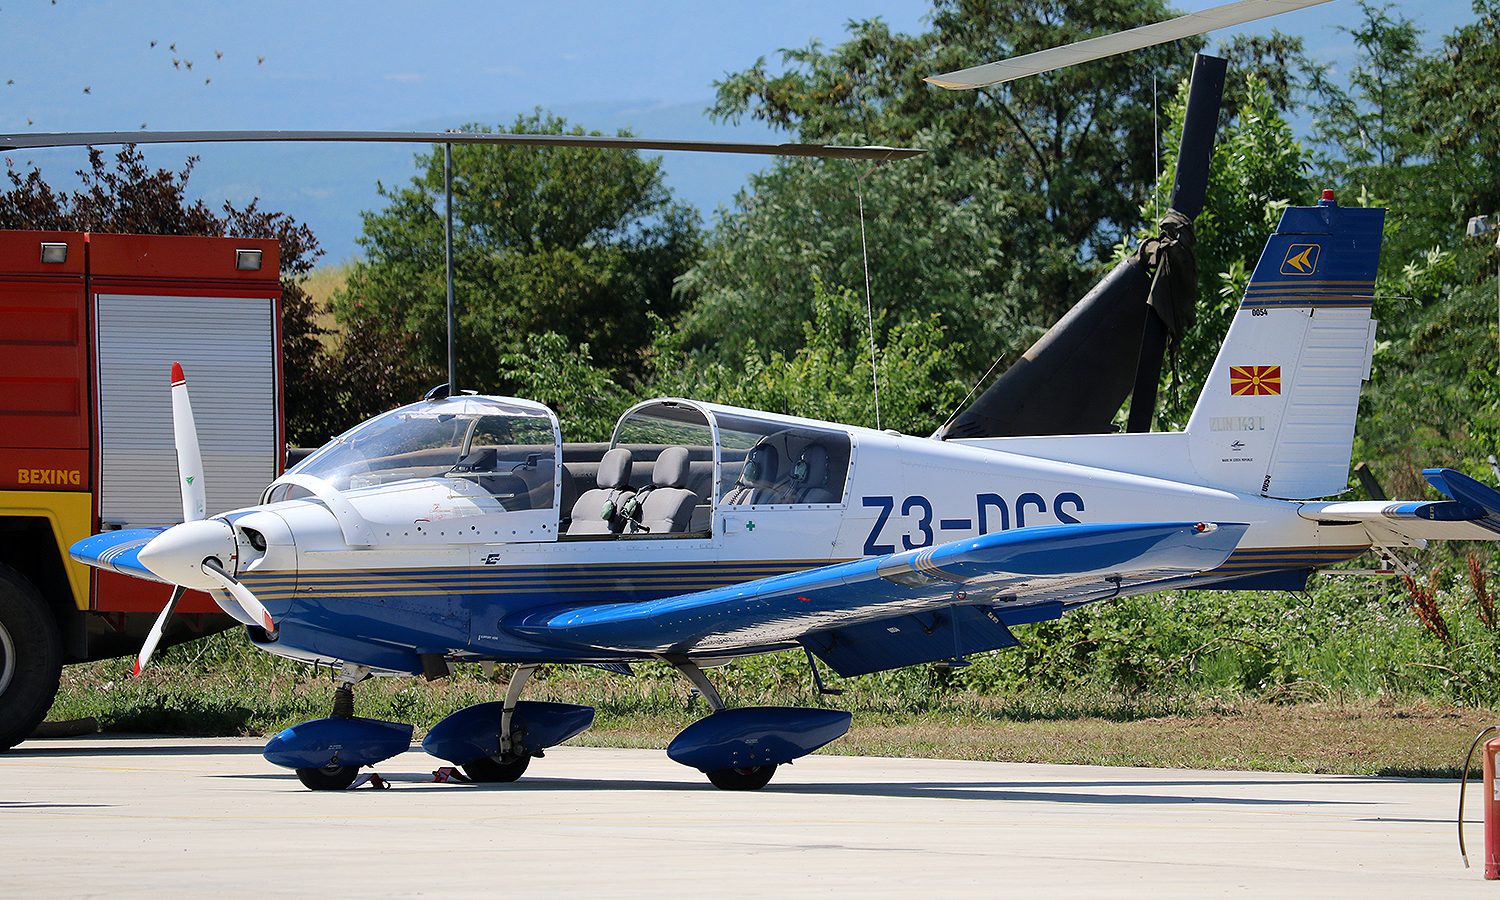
<point x="89" y="327"/>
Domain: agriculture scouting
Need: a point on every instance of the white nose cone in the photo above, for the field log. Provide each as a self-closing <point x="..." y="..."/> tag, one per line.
<point x="176" y="555"/>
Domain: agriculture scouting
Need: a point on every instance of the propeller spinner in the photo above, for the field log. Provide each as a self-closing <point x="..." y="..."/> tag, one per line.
<point x="200" y="553"/>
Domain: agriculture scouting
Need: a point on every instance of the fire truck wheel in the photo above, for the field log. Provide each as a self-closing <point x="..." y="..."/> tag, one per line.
<point x="30" y="658"/>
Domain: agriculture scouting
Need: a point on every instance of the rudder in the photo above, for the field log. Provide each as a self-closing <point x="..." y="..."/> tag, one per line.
<point x="1277" y="412"/>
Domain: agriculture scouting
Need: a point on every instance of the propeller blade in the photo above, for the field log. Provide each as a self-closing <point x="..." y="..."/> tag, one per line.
<point x="189" y="458"/>
<point x="247" y="601"/>
<point x="1192" y="24"/>
<point x="154" y="637"/>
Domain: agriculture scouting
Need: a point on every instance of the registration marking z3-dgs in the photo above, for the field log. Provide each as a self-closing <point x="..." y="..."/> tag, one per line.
<point x="991" y="512"/>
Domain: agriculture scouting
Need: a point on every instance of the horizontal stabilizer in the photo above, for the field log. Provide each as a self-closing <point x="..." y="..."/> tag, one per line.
<point x="1471" y="514"/>
<point x="1464" y="489"/>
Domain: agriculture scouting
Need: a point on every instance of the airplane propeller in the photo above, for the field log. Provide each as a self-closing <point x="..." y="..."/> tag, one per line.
<point x="192" y="555"/>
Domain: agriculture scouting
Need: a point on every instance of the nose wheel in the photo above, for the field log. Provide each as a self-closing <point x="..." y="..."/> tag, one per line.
<point x="328" y="778"/>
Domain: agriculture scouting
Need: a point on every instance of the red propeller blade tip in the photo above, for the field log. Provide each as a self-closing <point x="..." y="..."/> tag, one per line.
<point x="270" y="626"/>
<point x="177" y="376"/>
<point x="135" y="669"/>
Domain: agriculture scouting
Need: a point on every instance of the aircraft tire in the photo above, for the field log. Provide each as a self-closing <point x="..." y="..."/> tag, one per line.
<point x="328" y="778"/>
<point x="752" y="779"/>
<point x="31" y="655"/>
<point x="488" y="771"/>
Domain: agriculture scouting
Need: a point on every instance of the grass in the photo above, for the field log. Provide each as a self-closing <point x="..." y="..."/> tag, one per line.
<point x="321" y="284"/>
<point x="221" y="686"/>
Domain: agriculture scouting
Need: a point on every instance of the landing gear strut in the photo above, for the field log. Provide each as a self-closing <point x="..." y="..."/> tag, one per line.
<point x="494" y="742"/>
<point x="328" y="753"/>
<point x="739" y="749"/>
<point x="335" y="776"/>
<point x="509" y="764"/>
<point x="741" y="778"/>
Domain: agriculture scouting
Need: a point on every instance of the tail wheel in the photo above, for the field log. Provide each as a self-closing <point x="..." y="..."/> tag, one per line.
<point x="751" y="779"/>
<point x="490" y="771"/>
<point x="328" y="778"/>
<point x="31" y="655"/>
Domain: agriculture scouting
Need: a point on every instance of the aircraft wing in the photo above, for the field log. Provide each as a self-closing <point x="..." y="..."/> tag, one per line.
<point x="1472" y="513"/>
<point x="975" y="585"/>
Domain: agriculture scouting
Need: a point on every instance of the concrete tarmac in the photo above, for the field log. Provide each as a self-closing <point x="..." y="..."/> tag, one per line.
<point x="173" y="816"/>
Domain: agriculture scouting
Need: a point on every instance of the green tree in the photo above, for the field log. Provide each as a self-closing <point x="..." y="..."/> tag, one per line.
<point x="938" y="239"/>
<point x="1368" y="124"/>
<point x="998" y="230"/>
<point x="828" y="376"/>
<point x="548" y="369"/>
<point x="1065" y="137"/>
<point x="1456" y="114"/>
<point x="581" y="243"/>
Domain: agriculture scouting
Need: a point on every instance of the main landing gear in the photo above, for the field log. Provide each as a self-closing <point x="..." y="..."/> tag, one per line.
<point x="739" y="749"/>
<point x="495" y="742"/>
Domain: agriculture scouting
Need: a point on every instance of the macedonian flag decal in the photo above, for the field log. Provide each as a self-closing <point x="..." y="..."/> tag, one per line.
<point x="1252" y="380"/>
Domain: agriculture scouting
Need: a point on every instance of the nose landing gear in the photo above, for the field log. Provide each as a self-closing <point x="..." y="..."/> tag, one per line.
<point x="327" y="754"/>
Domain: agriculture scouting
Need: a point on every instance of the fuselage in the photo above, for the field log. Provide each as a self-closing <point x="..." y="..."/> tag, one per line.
<point x="383" y="572"/>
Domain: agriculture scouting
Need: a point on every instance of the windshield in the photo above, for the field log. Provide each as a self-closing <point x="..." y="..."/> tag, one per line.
<point x="506" y="448"/>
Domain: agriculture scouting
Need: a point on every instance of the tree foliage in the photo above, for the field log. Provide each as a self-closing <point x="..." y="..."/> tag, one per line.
<point x="997" y="230"/>
<point x="828" y="375"/>
<point x="580" y="243"/>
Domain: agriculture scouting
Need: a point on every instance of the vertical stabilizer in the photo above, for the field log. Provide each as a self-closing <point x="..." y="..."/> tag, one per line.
<point x="1276" y="416"/>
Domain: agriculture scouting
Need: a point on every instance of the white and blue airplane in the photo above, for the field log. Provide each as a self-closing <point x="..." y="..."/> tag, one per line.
<point x="464" y="529"/>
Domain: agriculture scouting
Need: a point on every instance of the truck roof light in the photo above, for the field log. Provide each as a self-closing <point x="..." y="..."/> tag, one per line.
<point x="54" y="253"/>
<point x="247" y="260"/>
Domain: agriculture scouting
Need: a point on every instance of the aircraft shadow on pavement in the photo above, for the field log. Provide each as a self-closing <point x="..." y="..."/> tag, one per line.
<point x="1008" y="791"/>
<point x="111" y="750"/>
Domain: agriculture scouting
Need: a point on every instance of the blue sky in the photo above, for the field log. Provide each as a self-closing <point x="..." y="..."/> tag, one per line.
<point x="388" y="65"/>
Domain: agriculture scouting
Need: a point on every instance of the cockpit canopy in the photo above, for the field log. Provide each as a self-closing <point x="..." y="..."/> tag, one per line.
<point x="504" y="446"/>
<point x="742" y="457"/>
<point x="484" y="469"/>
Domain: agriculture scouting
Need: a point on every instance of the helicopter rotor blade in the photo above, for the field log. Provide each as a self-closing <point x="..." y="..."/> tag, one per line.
<point x="1200" y="125"/>
<point x="1225" y="16"/>
<point x="586" y="141"/>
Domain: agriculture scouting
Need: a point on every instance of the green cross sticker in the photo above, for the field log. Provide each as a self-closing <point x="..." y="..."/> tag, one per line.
<point x="190" y="479"/>
<point x="749" y="526"/>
